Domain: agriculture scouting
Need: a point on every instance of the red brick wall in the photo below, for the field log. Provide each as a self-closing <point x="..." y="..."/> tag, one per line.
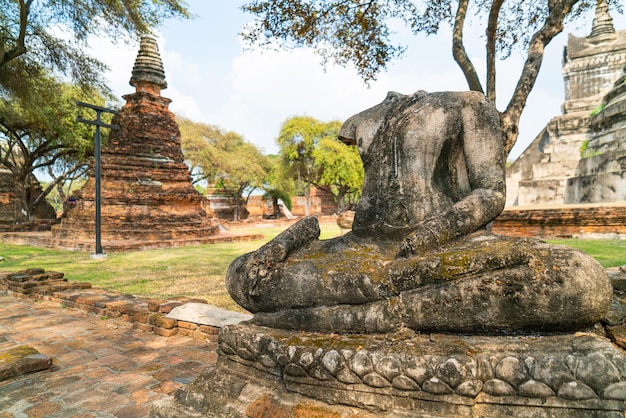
<point x="563" y="221"/>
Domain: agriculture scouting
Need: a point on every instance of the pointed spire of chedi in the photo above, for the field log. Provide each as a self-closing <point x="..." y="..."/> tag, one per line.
<point x="603" y="28"/>
<point x="148" y="68"/>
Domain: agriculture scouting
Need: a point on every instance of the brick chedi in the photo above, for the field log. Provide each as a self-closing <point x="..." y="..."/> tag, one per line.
<point x="590" y="67"/>
<point x="147" y="193"/>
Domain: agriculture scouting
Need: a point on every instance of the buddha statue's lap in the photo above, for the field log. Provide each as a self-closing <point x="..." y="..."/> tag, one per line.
<point x="419" y="256"/>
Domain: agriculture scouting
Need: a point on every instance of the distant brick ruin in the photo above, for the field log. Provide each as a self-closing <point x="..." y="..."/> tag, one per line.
<point x="147" y="194"/>
<point x="9" y="207"/>
<point x="580" y="156"/>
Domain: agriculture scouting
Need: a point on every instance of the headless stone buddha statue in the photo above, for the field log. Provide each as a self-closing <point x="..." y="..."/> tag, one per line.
<point x="419" y="255"/>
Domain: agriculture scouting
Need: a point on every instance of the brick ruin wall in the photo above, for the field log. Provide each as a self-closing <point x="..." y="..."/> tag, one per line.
<point x="567" y="221"/>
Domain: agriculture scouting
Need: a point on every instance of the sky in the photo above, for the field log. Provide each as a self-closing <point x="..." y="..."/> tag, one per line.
<point x="215" y="79"/>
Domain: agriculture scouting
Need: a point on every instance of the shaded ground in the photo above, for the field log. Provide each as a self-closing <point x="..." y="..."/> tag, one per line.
<point x="101" y="367"/>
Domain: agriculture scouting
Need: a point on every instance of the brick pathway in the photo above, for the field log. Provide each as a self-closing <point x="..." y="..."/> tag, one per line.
<point x="101" y="367"/>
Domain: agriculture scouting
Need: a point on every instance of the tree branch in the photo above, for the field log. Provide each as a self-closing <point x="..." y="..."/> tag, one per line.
<point x="458" y="49"/>
<point x="551" y="28"/>
<point x="20" y="44"/>
<point x="492" y="34"/>
<point x="52" y="184"/>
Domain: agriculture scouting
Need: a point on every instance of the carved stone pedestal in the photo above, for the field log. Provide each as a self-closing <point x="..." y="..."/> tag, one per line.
<point x="265" y="372"/>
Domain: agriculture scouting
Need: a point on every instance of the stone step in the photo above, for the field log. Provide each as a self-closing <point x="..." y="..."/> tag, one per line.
<point x="21" y="360"/>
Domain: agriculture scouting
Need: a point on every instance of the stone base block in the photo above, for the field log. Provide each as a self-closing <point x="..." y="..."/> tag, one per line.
<point x="22" y="360"/>
<point x="267" y="372"/>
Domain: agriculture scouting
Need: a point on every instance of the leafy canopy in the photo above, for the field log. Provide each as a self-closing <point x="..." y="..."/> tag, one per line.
<point x="341" y="171"/>
<point x="52" y="35"/>
<point x="361" y="32"/>
<point x="45" y="137"/>
<point x="313" y="156"/>
<point x="222" y="158"/>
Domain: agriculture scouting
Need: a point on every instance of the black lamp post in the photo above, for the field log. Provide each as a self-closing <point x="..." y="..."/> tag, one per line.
<point x="98" y="123"/>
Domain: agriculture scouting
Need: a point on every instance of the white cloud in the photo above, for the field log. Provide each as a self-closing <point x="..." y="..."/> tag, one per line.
<point x="120" y="59"/>
<point x="270" y="86"/>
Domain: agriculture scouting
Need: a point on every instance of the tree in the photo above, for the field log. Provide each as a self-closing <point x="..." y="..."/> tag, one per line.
<point x="223" y="158"/>
<point x="298" y="138"/>
<point x="41" y="43"/>
<point x="359" y="31"/>
<point x="341" y="171"/>
<point x="44" y="138"/>
<point x="274" y="195"/>
<point x="53" y="34"/>
<point x="278" y="185"/>
<point x="58" y="196"/>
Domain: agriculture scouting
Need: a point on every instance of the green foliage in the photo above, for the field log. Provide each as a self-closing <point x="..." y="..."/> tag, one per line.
<point x="51" y="35"/>
<point x="45" y="136"/>
<point x="361" y="32"/>
<point x="596" y="110"/>
<point x="341" y="171"/>
<point x="200" y="188"/>
<point x="585" y="152"/>
<point x="275" y="194"/>
<point x="223" y="158"/>
<point x="298" y="139"/>
<point x="583" y="148"/>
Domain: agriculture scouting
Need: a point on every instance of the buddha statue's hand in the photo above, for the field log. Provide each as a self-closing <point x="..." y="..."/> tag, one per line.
<point x="263" y="261"/>
<point x="418" y="242"/>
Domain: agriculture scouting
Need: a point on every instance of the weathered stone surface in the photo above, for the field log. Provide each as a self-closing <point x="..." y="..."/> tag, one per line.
<point x="451" y="372"/>
<point x="332" y="361"/>
<point x="576" y="391"/>
<point x="418" y="369"/>
<point x="618" y="335"/>
<point x="606" y="220"/>
<point x="615" y="391"/>
<point x="295" y="381"/>
<point x="417" y="256"/>
<point x="404" y="383"/>
<point x="434" y="365"/>
<point x="470" y="388"/>
<point x="436" y="386"/>
<point x="498" y="387"/>
<point x="535" y="389"/>
<point x="552" y="372"/>
<point x="512" y="370"/>
<point x="361" y="363"/>
<point x="597" y="371"/>
<point x="21" y="360"/>
<point x="202" y="313"/>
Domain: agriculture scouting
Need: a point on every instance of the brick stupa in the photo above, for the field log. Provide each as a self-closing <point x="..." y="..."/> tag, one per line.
<point x="147" y="195"/>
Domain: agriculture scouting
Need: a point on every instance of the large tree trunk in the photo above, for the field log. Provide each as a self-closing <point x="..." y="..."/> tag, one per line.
<point x="458" y="49"/>
<point x="558" y="10"/>
<point x="551" y="28"/>
<point x="492" y="31"/>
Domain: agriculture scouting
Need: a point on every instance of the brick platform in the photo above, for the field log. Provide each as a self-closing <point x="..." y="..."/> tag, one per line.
<point x="45" y="239"/>
<point x="145" y="314"/>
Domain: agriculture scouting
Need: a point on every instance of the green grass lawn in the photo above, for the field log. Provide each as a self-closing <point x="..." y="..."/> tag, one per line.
<point x="198" y="271"/>
<point x="608" y="252"/>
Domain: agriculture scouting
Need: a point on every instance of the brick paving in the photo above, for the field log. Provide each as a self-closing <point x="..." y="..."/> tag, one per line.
<point x="102" y="367"/>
